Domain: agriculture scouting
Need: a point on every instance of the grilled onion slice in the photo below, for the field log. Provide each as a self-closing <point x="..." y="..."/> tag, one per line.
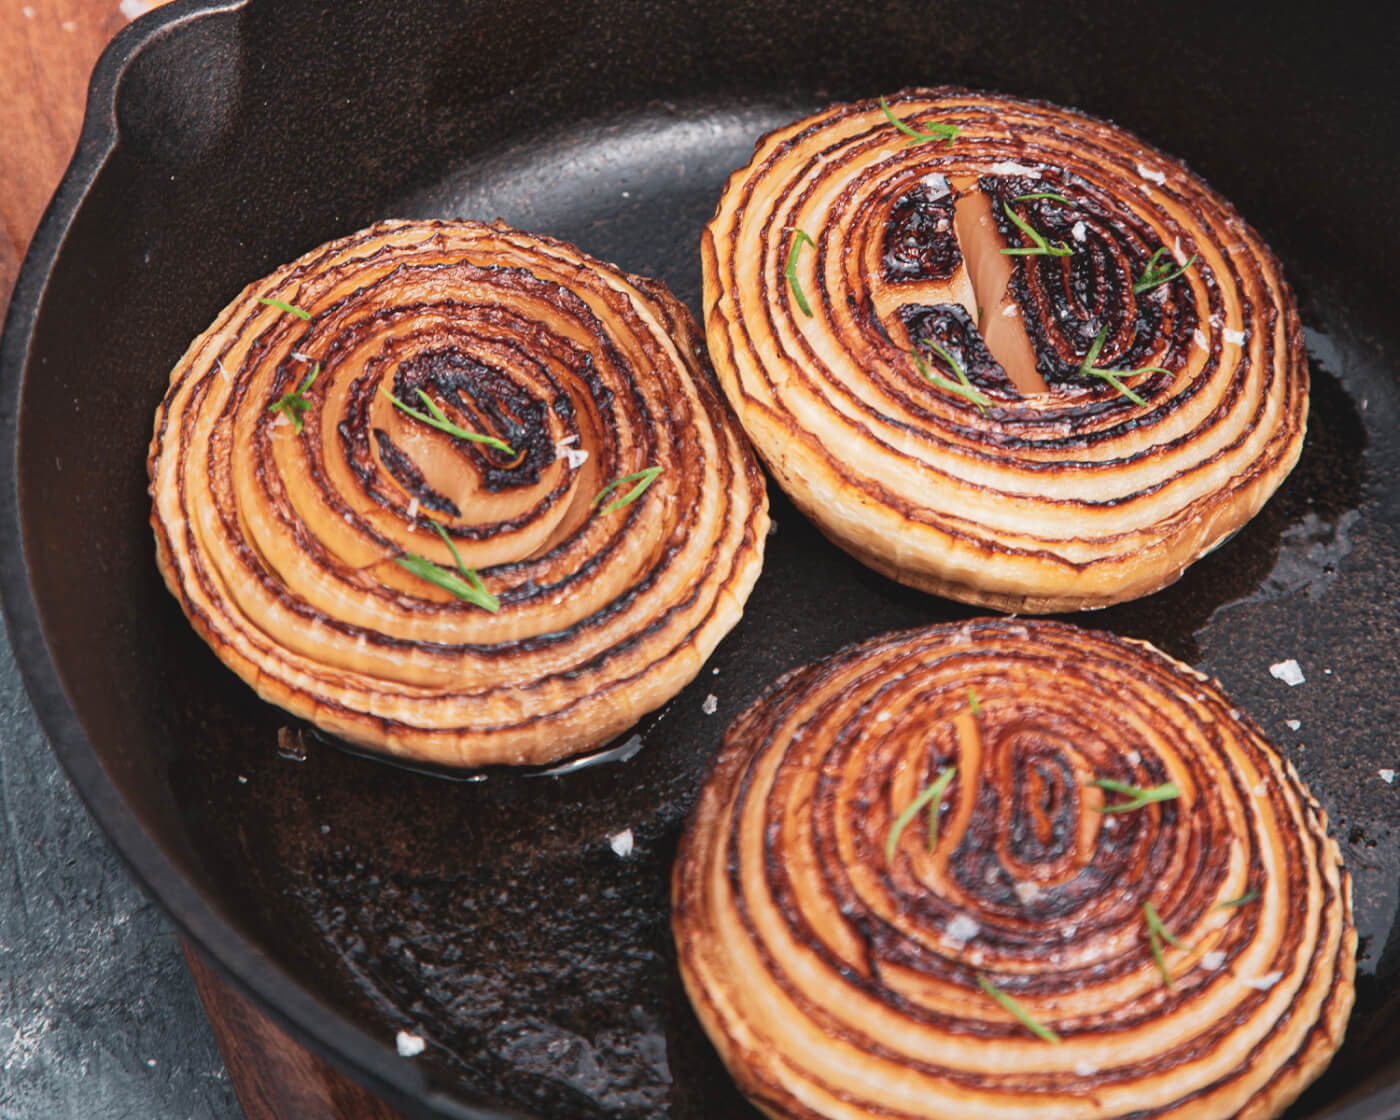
<point x="844" y="969"/>
<point x="282" y="527"/>
<point x="1035" y="246"/>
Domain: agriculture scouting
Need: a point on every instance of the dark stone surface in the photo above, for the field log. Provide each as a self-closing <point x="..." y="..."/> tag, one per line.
<point x="98" y="1016"/>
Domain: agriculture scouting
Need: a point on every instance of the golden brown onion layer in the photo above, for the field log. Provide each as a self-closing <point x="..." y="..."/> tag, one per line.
<point x="282" y="545"/>
<point x="1051" y="488"/>
<point x="840" y="980"/>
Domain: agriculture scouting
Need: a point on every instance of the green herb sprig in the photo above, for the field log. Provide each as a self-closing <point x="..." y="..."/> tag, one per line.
<point x="1112" y="376"/>
<point x="936" y="129"/>
<point x="469" y="588"/>
<point x="933" y="797"/>
<point x="1156" y="934"/>
<point x="1042" y="248"/>
<point x="282" y="305"/>
<point x="436" y="418"/>
<point x="1243" y="900"/>
<point x="1028" y="1021"/>
<point x="972" y="702"/>
<point x="1167" y="791"/>
<point x="294" y="403"/>
<point x="1155" y="275"/>
<point x="800" y="237"/>
<point x="643" y="479"/>
<point x="962" y="387"/>
<point x="1042" y="194"/>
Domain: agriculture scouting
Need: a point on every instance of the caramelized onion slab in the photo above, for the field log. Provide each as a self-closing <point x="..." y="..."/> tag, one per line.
<point x="909" y="329"/>
<point x="847" y="963"/>
<point x="290" y="491"/>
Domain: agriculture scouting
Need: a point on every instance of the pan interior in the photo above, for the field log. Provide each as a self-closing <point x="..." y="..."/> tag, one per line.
<point x="493" y="915"/>
<point x="496" y="919"/>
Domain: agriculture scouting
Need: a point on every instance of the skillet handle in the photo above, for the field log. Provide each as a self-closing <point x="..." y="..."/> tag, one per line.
<point x="274" y="1077"/>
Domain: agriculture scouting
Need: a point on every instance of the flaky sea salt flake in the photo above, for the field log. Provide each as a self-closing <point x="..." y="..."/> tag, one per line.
<point x="1007" y="167"/>
<point x="409" y="1045"/>
<point x="963" y="929"/>
<point x="622" y="842"/>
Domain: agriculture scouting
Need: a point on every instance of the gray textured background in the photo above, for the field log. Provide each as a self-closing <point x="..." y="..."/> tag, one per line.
<point x="98" y="1015"/>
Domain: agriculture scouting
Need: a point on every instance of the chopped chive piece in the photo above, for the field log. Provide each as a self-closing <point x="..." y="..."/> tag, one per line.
<point x="1167" y="791"/>
<point x="1031" y="1024"/>
<point x="1042" y="248"/>
<point x="294" y="403"/>
<point x="972" y="700"/>
<point x="962" y="387"/>
<point x="287" y="307"/>
<point x="473" y="593"/>
<point x="1248" y="897"/>
<point x="1156" y="934"/>
<point x="936" y="130"/>
<point x="1042" y="194"/>
<point x="933" y="797"/>
<point x="799" y="237"/>
<point x="642" y="478"/>
<point x="436" y="418"/>
<point x="486" y="600"/>
<point x="1155" y="275"/>
<point x="1112" y="375"/>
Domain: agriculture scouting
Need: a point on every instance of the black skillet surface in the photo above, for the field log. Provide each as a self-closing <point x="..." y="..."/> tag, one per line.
<point x="492" y="916"/>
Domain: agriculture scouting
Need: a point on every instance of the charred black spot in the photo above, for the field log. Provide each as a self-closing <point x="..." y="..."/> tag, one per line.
<point x="919" y="240"/>
<point x="487" y="400"/>
<point x="951" y="327"/>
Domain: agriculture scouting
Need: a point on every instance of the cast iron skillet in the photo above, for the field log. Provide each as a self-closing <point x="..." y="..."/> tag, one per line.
<point x="491" y="916"/>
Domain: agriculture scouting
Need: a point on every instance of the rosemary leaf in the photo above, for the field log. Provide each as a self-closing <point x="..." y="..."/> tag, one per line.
<point x="643" y="479"/>
<point x="799" y="237"/>
<point x="1031" y="1024"/>
<point x="932" y="797"/>
<point x="1113" y="376"/>
<point x="436" y="418"/>
<point x="936" y="130"/>
<point x="294" y="403"/>
<point x="425" y="569"/>
<point x="1156" y="934"/>
<point x="1155" y="275"/>
<point x="287" y="307"/>
<point x="1244" y="899"/>
<point x="962" y="387"/>
<point x="487" y="600"/>
<point x="1167" y="791"/>
<point x="1042" y="247"/>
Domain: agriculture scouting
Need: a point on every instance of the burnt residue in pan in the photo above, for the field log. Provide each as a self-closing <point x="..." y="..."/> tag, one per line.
<point x="520" y="922"/>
